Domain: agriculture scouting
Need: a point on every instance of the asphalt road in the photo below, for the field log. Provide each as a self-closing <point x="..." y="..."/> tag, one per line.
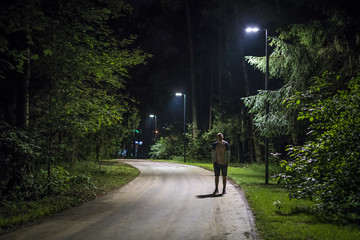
<point x="166" y="201"/>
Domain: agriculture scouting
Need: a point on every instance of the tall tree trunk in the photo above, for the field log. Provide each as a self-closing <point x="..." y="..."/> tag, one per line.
<point x="212" y="73"/>
<point x="73" y="150"/>
<point x="22" y="100"/>
<point x="24" y="104"/>
<point x="253" y="138"/>
<point x="238" y="148"/>
<point x="98" y="150"/>
<point x="99" y="146"/>
<point x="192" y="71"/>
<point x="220" y="42"/>
<point x="50" y="136"/>
<point x="26" y="85"/>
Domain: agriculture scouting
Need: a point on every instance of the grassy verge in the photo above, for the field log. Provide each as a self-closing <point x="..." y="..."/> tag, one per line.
<point x="277" y="217"/>
<point x="102" y="178"/>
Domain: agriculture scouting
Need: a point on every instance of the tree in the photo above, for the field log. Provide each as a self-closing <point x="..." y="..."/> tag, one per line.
<point x="302" y="51"/>
<point x="20" y="22"/>
<point x="79" y="66"/>
<point x="192" y="71"/>
<point x="82" y="89"/>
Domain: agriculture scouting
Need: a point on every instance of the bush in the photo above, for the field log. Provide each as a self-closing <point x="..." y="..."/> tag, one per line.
<point x="166" y="148"/>
<point x="325" y="169"/>
<point x="40" y="184"/>
<point x="200" y="148"/>
<point x="18" y="155"/>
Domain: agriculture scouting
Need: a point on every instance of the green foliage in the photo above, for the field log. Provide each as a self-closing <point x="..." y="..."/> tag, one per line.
<point x="78" y="65"/>
<point x="42" y="183"/>
<point x="167" y="147"/>
<point x="15" y="144"/>
<point x="87" y="71"/>
<point x="324" y="168"/>
<point x="279" y="120"/>
<point x="300" y="52"/>
<point x="19" y="21"/>
<point x="228" y="125"/>
<point x="39" y="184"/>
<point x="200" y="148"/>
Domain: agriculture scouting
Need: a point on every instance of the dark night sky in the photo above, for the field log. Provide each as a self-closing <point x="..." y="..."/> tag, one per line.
<point x="163" y="33"/>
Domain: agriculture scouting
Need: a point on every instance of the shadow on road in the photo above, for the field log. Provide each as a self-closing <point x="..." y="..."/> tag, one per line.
<point x="209" y="196"/>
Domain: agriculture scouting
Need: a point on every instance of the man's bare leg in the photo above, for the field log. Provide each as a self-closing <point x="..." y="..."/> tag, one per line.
<point x="224" y="184"/>
<point x="216" y="184"/>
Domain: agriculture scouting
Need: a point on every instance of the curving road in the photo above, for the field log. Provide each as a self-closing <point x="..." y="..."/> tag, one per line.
<point x="166" y="201"/>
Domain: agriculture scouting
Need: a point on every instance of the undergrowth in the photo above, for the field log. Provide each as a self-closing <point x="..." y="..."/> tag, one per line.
<point x="87" y="181"/>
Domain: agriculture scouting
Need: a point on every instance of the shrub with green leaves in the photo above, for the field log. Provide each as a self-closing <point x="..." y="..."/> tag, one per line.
<point x="326" y="168"/>
<point x="18" y="154"/>
<point x="166" y="147"/>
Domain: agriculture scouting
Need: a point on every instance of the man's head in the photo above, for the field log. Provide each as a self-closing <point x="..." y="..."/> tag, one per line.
<point x="220" y="136"/>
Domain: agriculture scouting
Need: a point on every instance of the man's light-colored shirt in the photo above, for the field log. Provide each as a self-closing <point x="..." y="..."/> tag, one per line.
<point x="221" y="152"/>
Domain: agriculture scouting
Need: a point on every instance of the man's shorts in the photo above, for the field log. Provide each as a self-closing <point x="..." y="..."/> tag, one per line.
<point x="218" y="168"/>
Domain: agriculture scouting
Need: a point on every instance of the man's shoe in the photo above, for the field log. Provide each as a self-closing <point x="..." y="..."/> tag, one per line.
<point x="216" y="191"/>
<point x="224" y="191"/>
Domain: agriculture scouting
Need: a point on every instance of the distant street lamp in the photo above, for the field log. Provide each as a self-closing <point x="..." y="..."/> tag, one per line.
<point x="155" y="120"/>
<point x="250" y="30"/>
<point x="179" y="95"/>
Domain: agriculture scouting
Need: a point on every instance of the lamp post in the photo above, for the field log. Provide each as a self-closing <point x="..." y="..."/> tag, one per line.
<point x="155" y="125"/>
<point x="179" y="95"/>
<point x="255" y="29"/>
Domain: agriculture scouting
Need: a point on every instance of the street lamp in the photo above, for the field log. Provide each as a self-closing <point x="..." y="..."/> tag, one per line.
<point x="250" y="30"/>
<point x="155" y="120"/>
<point x="178" y="94"/>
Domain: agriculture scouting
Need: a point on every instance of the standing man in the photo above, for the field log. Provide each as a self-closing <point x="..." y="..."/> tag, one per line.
<point x="220" y="159"/>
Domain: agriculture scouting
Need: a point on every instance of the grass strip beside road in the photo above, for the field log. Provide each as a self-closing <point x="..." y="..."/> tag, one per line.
<point x="102" y="178"/>
<point x="278" y="217"/>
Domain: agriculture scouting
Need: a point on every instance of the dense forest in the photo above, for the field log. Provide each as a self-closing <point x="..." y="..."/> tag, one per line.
<point x="80" y="78"/>
<point x="63" y="70"/>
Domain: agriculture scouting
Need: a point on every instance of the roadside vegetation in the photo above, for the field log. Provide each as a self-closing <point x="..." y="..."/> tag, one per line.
<point x="83" y="182"/>
<point x="63" y="100"/>
<point x="280" y="218"/>
<point x="64" y="105"/>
